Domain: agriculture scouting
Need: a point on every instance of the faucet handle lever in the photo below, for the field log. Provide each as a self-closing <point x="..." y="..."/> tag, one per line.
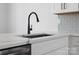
<point x="31" y="27"/>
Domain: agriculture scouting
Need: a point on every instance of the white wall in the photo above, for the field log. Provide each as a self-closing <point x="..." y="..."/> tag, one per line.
<point x="13" y="19"/>
<point x="19" y="16"/>
<point x="48" y="22"/>
<point x="69" y="23"/>
<point x="3" y="18"/>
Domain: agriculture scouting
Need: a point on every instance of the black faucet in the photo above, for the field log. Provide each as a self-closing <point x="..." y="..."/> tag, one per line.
<point x="30" y="28"/>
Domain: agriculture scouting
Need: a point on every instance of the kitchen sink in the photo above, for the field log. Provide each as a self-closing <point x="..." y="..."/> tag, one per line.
<point x="36" y="35"/>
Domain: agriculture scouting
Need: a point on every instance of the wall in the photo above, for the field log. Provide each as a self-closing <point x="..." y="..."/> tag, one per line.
<point x="69" y="23"/>
<point x="19" y="15"/>
<point x="3" y="18"/>
<point x="13" y="19"/>
<point x="48" y="22"/>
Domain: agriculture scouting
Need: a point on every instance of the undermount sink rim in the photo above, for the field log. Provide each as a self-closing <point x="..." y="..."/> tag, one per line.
<point x="36" y="35"/>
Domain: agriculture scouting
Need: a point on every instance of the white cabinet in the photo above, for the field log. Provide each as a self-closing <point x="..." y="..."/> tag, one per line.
<point x="45" y="47"/>
<point x="72" y="6"/>
<point x="66" y="8"/>
<point x="57" y="7"/>
<point x="74" y="45"/>
<point x="61" y="51"/>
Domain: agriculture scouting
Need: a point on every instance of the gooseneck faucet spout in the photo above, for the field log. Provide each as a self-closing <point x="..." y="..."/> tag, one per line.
<point x="30" y="28"/>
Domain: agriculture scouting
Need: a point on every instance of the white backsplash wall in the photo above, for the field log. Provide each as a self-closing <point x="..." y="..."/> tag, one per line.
<point x="69" y="23"/>
<point x="3" y="17"/>
<point x="19" y="16"/>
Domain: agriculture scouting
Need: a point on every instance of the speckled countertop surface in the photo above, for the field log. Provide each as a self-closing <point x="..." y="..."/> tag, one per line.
<point x="10" y="39"/>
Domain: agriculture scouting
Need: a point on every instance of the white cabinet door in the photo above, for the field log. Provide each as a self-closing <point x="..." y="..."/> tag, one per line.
<point x="72" y="6"/>
<point x="42" y="48"/>
<point x="74" y="45"/>
<point x="57" y="7"/>
<point x="61" y="51"/>
<point x="66" y="7"/>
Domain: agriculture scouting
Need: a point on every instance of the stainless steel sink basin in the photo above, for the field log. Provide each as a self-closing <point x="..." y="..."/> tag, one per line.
<point x="36" y="35"/>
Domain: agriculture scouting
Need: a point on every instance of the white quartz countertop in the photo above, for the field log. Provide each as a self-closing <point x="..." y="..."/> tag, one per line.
<point x="10" y="40"/>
